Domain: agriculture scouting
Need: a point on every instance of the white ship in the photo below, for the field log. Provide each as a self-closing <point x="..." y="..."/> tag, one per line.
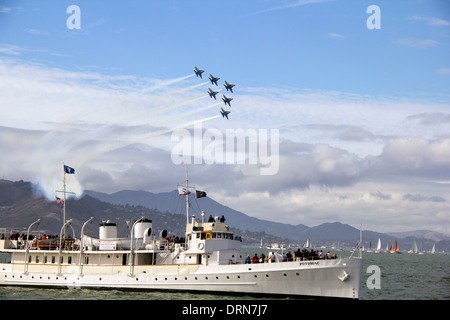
<point x="210" y="259"/>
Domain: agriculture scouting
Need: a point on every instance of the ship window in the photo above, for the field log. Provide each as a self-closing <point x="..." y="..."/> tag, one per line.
<point x="61" y="260"/>
<point x="45" y="259"/>
<point x="37" y="259"/>
<point x="29" y="259"/>
<point x="69" y="260"/>
<point x="53" y="259"/>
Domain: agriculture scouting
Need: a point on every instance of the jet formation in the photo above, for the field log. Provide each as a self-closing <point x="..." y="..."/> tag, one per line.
<point x="212" y="94"/>
<point x="198" y="72"/>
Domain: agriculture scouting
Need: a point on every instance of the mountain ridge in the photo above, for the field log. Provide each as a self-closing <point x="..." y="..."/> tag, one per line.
<point x="19" y="207"/>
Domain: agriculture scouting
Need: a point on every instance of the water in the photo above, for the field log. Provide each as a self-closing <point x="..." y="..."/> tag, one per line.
<point x="402" y="277"/>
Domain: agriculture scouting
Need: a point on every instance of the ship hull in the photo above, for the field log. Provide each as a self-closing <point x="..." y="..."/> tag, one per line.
<point x="338" y="278"/>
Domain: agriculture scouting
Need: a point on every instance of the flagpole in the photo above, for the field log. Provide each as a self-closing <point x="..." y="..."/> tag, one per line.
<point x="187" y="196"/>
<point x="64" y="197"/>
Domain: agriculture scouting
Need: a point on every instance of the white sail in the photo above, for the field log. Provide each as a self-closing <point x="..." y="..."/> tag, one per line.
<point x="415" y="248"/>
<point x="379" y="245"/>
<point x="433" y="250"/>
<point x="308" y="243"/>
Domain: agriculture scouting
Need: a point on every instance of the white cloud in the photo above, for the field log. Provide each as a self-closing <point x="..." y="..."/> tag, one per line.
<point x="431" y="21"/>
<point x="335" y="35"/>
<point x="416" y="43"/>
<point x="444" y="71"/>
<point x="37" y="32"/>
<point x="294" y="4"/>
<point x="342" y="156"/>
<point x="4" y="9"/>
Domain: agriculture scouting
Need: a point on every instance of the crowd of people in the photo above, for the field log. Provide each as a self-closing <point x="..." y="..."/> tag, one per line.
<point x="23" y="236"/>
<point x="298" y="255"/>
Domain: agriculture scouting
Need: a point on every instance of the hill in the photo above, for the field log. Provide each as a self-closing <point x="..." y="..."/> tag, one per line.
<point x="19" y="207"/>
<point x="174" y="203"/>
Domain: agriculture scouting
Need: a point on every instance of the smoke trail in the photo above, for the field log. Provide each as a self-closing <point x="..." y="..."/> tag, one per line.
<point x="142" y="139"/>
<point x="81" y="145"/>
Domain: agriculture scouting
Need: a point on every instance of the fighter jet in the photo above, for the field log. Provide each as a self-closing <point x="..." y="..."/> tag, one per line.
<point x="198" y="72"/>
<point x="226" y="100"/>
<point x="225" y="113"/>
<point x="229" y="86"/>
<point x="213" y="80"/>
<point x="212" y="94"/>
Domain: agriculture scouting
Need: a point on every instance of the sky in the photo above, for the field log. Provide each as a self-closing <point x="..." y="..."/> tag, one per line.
<point x="350" y="103"/>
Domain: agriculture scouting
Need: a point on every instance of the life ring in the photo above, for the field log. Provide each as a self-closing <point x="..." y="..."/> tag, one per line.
<point x="200" y="245"/>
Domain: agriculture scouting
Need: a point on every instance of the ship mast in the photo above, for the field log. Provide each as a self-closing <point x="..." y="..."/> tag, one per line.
<point x="64" y="192"/>
<point x="187" y="196"/>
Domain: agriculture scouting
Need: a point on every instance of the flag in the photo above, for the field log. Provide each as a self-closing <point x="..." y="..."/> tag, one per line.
<point x="183" y="191"/>
<point x="59" y="200"/>
<point x="200" y="194"/>
<point x="69" y="170"/>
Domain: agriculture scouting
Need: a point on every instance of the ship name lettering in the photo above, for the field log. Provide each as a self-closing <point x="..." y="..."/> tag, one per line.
<point x="309" y="263"/>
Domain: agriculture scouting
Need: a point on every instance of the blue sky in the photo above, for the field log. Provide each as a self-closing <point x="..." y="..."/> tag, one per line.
<point x="363" y="115"/>
<point x="324" y="45"/>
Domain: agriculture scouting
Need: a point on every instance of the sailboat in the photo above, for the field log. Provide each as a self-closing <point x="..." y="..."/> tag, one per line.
<point x="308" y="243"/>
<point x="414" y="248"/>
<point x="395" y="249"/>
<point x="378" y="250"/>
<point x="370" y="247"/>
<point x="433" y="250"/>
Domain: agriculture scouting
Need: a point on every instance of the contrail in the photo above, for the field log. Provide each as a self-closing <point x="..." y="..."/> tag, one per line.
<point x="142" y="139"/>
<point x="83" y="115"/>
<point x="153" y="100"/>
<point x="53" y="138"/>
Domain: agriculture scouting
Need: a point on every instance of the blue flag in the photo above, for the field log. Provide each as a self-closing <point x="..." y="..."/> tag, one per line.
<point x="69" y="170"/>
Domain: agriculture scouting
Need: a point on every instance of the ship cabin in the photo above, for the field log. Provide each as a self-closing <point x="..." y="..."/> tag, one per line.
<point x="206" y="243"/>
<point x="211" y="242"/>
